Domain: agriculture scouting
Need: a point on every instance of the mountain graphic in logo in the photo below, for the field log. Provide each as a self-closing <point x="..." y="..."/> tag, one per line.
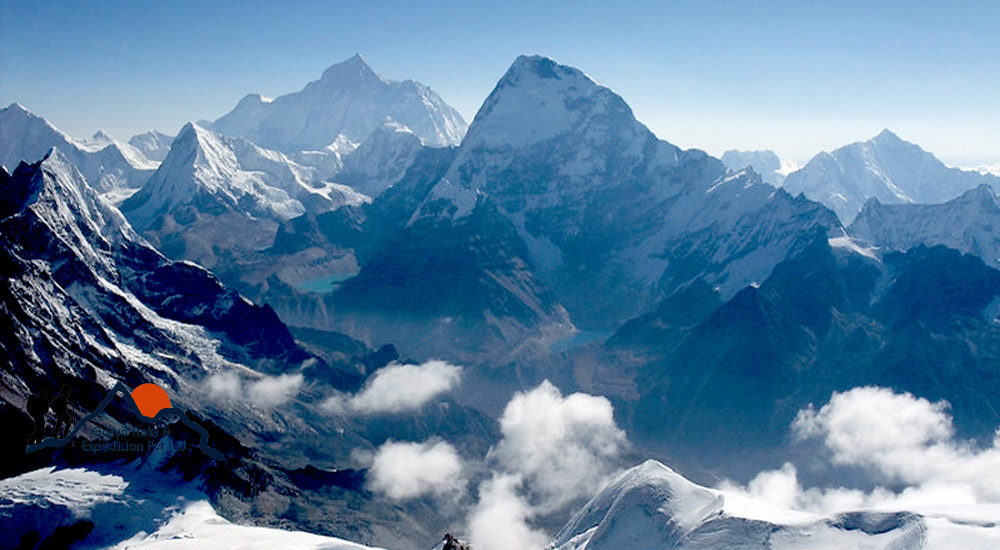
<point x="149" y="402"/>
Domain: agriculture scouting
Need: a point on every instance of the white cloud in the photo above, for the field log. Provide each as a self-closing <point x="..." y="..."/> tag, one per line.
<point x="268" y="391"/>
<point x="903" y="438"/>
<point x="403" y="471"/>
<point x="873" y="424"/>
<point x="986" y="169"/>
<point x="500" y="518"/>
<point x="398" y="388"/>
<point x="224" y="385"/>
<point x="564" y="447"/>
<point x="788" y="166"/>
<point x="782" y="489"/>
<point x="272" y="391"/>
<point x="553" y="450"/>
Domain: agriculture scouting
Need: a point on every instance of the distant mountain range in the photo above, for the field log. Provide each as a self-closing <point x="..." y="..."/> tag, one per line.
<point x="598" y="217"/>
<point x="885" y="168"/>
<point x="969" y="223"/>
<point x="348" y="103"/>
<point x="106" y="163"/>
<point x="214" y="194"/>
<point x="155" y="145"/>
<point x="766" y="163"/>
<point x="313" y="239"/>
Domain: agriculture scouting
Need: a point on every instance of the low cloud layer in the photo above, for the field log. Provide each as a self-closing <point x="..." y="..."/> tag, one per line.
<point x="268" y="392"/>
<point x="896" y="436"/>
<point x="398" y="388"/>
<point x="554" y="450"/>
<point x="402" y="471"/>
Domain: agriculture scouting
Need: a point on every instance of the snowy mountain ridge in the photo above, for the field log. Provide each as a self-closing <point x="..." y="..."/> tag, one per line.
<point x="585" y="184"/>
<point x="969" y="223"/>
<point x="155" y="145"/>
<point x="219" y="193"/>
<point x="348" y="102"/>
<point x="105" y="162"/>
<point x="766" y="163"/>
<point x="885" y="167"/>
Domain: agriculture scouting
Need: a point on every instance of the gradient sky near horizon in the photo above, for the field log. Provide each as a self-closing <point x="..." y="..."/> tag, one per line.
<point x="795" y="77"/>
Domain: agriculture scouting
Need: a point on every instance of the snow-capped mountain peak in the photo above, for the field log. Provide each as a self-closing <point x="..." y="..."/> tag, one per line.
<point x="105" y="163"/>
<point x="886" y="167"/>
<point x="355" y="68"/>
<point x="382" y="159"/>
<point x="60" y="197"/>
<point x="651" y="507"/>
<point x="538" y="99"/>
<point x="887" y="136"/>
<point x="233" y="170"/>
<point x="101" y="137"/>
<point x="155" y="145"/>
<point x="350" y="100"/>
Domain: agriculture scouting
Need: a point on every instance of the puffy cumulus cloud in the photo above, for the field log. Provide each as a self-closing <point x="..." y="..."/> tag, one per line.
<point x="896" y="435"/>
<point x="500" y="519"/>
<point x="563" y="447"/>
<point x="553" y="450"/>
<point x="267" y="391"/>
<point x="906" y="438"/>
<point x="875" y="425"/>
<point x="403" y="471"/>
<point x="398" y="388"/>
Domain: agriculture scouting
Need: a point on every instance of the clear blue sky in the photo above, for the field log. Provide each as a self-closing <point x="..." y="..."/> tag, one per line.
<point x="796" y="77"/>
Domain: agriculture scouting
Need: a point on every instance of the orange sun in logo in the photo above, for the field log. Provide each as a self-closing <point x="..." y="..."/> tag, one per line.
<point x="150" y="399"/>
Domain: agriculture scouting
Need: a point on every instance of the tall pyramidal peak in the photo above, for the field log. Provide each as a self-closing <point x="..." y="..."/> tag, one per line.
<point x="607" y="216"/>
<point x="887" y="136"/>
<point x="538" y="99"/>
<point x="234" y="171"/>
<point x="215" y="194"/>
<point x="59" y="196"/>
<point x="348" y="102"/>
<point x="357" y="67"/>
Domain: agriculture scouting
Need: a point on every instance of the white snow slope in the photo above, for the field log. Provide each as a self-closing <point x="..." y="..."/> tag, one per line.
<point x="651" y="507"/>
<point x="135" y="508"/>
